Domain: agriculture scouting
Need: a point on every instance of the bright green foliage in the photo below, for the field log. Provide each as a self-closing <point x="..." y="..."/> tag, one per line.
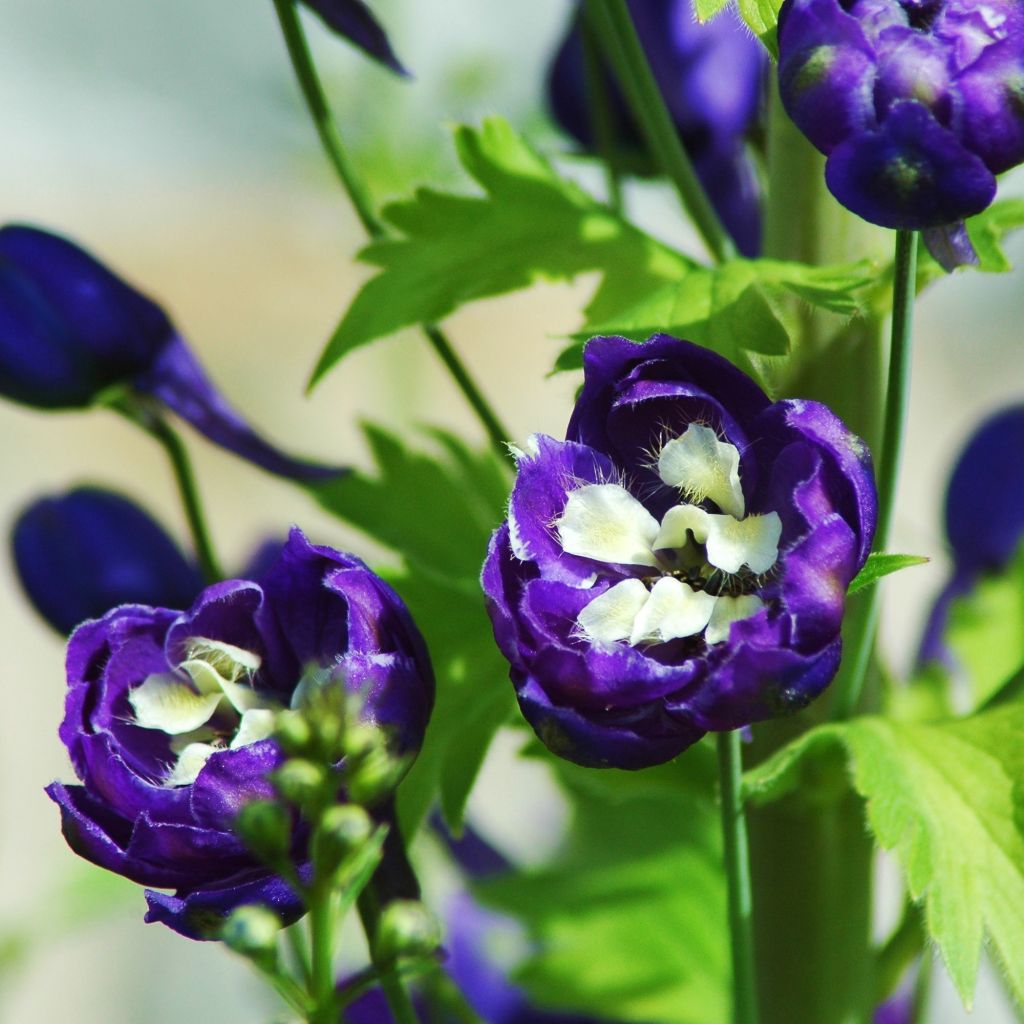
<point x="946" y="798"/>
<point x="438" y="514"/>
<point x="988" y="229"/>
<point x="879" y="565"/>
<point x="630" y="919"/>
<point x="986" y="629"/>
<point x="530" y="224"/>
<point x="762" y="18"/>
<point x="707" y="9"/>
<point x="744" y="309"/>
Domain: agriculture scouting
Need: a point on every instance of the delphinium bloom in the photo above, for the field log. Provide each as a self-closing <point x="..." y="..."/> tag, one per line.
<point x="169" y="720"/>
<point x="712" y="79"/>
<point x="916" y="103"/>
<point x="679" y="563"/>
<point x="984" y="516"/>
<point x="71" y="330"/>
<point x="354" y="20"/>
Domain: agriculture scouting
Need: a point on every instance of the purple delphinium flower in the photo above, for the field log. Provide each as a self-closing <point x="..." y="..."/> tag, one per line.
<point x="679" y="563"/>
<point x="897" y="1010"/>
<point x="984" y="516"/>
<point x="70" y="329"/>
<point x="169" y="717"/>
<point x="916" y="103"/>
<point x="712" y="79"/>
<point x="354" y="20"/>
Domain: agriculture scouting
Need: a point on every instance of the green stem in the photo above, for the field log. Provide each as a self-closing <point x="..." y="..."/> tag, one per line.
<point x="613" y="24"/>
<point x="334" y="148"/>
<point x="897" y="401"/>
<point x="737" y="867"/>
<point x="321" y="941"/>
<point x="922" y="991"/>
<point x="602" y="117"/>
<point x="391" y="985"/>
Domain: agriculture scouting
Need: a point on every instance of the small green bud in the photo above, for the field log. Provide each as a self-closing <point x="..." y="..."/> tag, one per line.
<point x="301" y="783"/>
<point x="373" y="777"/>
<point x="266" y="828"/>
<point x="343" y="829"/>
<point x="361" y="740"/>
<point x="293" y="733"/>
<point x="407" y="929"/>
<point x="252" y="932"/>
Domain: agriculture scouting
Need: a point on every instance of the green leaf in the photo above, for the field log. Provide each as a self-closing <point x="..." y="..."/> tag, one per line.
<point x="879" y="565"/>
<point x="707" y="9"/>
<point x="986" y="629"/>
<point x="530" y="224"/>
<point x="629" y="920"/>
<point x="948" y="799"/>
<point x="988" y="229"/>
<point x="762" y="18"/>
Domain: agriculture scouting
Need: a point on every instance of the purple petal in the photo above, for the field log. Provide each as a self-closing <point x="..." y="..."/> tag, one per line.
<point x="354" y="20"/>
<point x="951" y="246"/>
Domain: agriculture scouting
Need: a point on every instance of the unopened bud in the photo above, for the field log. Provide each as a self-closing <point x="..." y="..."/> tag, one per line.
<point x="293" y="733"/>
<point x="266" y="828"/>
<point x="252" y="931"/>
<point x="342" y="830"/>
<point x="300" y="782"/>
<point x="373" y="777"/>
<point x="407" y="929"/>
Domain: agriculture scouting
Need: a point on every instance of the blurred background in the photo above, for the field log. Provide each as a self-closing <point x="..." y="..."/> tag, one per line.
<point x="170" y="140"/>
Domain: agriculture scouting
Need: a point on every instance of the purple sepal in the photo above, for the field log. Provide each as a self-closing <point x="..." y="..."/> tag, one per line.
<point x="80" y="554"/>
<point x="354" y="20"/>
<point x="315" y="608"/>
<point x="911" y="173"/>
<point x="951" y="246"/>
<point x="613" y="704"/>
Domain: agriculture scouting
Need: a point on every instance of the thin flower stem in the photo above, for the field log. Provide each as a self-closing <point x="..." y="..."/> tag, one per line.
<point x="334" y="148"/>
<point x="737" y="867"/>
<point x="321" y="942"/>
<point x="922" y="991"/>
<point x="613" y="24"/>
<point x="897" y="401"/>
<point x="391" y="984"/>
<point x="602" y="116"/>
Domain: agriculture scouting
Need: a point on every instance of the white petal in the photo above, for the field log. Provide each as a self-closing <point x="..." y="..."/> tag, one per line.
<point x="208" y="680"/>
<point x="610" y="616"/>
<point x="727" y="611"/>
<point x="189" y="764"/>
<point x="164" y="702"/>
<point x="680" y="521"/>
<point x="753" y="541"/>
<point x="702" y="467"/>
<point x="605" y="522"/>
<point x="230" y="661"/>
<point x="673" y="609"/>
<point x="256" y="725"/>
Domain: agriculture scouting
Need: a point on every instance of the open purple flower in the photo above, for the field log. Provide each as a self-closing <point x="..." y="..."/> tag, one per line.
<point x="680" y="562"/>
<point x="916" y="103"/>
<point x="712" y="78"/>
<point x="71" y="329"/>
<point x="169" y="718"/>
<point x="354" y="20"/>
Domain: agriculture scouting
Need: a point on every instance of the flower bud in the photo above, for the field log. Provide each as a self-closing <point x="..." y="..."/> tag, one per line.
<point x="342" y="830"/>
<point x="252" y="931"/>
<point x="293" y="733"/>
<point x="373" y="776"/>
<point x="407" y="929"/>
<point x="354" y="20"/>
<point x="301" y="783"/>
<point x="265" y="827"/>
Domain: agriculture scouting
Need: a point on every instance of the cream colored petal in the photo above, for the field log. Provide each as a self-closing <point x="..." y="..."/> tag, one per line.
<point x="610" y="617"/>
<point x="754" y="541"/>
<point x="164" y="702"/>
<point x="230" y="661"/>
<point x="727" y="611"/>
<point x="678" y="523"/>
<point x="605" y="522"/>
<point x="673" y="609"/>
<point x="189" y="764"/>
<point x="240" y="694"/>
<point x="256" y="725"/>
<point x="702" y="467"/>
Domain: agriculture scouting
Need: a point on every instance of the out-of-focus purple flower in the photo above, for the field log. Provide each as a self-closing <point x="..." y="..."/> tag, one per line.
<point x="354" y="20"/>
<point x="712" y="78"/>
<point x="916" y="103"/>
<point x="984" y="516"/>
<point x="897" y="1010"/>
<point x="169" y="717"/>
<point x="680" y="562"/>
<point x="70" y="329"/>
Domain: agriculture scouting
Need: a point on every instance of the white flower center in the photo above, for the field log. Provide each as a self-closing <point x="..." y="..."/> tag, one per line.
<point x="207" y="704"/>
<point x="702" y="558"/>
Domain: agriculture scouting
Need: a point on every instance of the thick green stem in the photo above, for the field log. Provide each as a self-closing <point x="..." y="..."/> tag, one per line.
<point x="322" y="922"/>
<point x="391" y="984"/>
<point x="613" y="25"/>
<point x="897" y="401"/>
<point x="737" y="868"/>
<point x="334" y="148"/>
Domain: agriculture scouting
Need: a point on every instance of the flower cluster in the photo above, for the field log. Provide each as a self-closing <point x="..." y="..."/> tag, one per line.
<point x="680" y="562"/>
<point x="712" y="79"/>
<point x="918" y="104"/>
<point x="170" y="717"/>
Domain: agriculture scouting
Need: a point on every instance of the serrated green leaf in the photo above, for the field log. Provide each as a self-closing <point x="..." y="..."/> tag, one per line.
<point x="986" y="629"/>
<point x="707" y="9"/>
<point x="531" y="224"/>
<point x="988" y="229"/>
<point x="946" y="798"/>
<point x="879" y="565"/>
<point x="641" y="874"/>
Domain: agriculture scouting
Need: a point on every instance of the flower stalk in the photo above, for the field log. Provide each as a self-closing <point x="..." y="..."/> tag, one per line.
<point x="334" y="149"/>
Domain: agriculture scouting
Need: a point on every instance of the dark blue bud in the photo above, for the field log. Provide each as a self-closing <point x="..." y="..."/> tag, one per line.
<point x="82" y="553"/>
<point x="354" y="20"/>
